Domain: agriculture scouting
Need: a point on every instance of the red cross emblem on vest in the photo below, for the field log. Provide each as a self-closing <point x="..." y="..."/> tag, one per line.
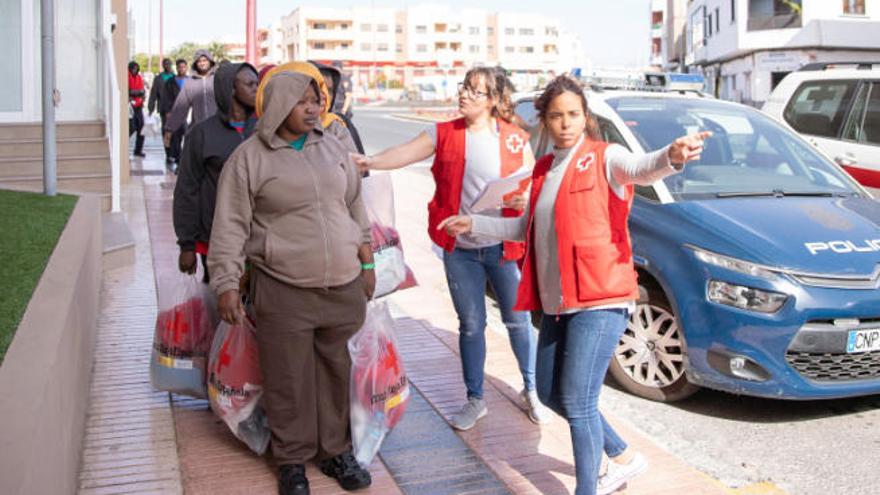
<point x="584" y="163"/>
<point x="514" y="143"/>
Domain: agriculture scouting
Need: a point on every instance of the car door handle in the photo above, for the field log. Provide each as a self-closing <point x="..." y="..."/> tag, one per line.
<point x="844" y="161"/>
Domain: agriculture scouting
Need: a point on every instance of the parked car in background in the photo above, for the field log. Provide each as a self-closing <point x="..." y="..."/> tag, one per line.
<point x="759" y="264"/>
<point x="837" y="108"/>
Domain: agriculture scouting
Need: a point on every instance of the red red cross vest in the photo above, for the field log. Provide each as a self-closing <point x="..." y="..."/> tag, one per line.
<point x="449" y="168"/>
<point x="595" y="253"/>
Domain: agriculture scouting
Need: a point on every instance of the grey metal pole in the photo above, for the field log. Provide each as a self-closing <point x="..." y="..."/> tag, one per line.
<point x="47" y="52"/>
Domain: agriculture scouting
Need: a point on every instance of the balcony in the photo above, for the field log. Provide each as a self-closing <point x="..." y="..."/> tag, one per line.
<point x="330" y="34"/>
<point x="758" y="22"/>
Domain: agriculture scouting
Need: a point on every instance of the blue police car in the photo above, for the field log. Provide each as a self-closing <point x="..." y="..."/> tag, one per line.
<point x="759" y="264"/>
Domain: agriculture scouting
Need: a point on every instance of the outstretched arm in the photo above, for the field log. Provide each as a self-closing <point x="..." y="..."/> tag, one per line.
<point x="415" y="150"/>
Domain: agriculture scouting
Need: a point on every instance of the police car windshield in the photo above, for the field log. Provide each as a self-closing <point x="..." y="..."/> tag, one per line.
<point x="748" y="153"/>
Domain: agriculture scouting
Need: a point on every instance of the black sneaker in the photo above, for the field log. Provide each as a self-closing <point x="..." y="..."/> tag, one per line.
<point x="292" y="480"/>
<point x="346" y="470"/>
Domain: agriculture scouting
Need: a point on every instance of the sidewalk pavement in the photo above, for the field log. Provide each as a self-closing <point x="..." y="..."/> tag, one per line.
<point x="139" y="454"/>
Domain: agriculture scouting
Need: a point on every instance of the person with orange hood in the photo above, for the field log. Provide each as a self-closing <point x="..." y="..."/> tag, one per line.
<point x="332" y="123"/>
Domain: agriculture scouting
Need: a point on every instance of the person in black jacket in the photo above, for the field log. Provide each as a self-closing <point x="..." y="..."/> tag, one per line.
<point x="208" y="144"/>
<point x="158" y="93"/>
<point x="173" y="87"/>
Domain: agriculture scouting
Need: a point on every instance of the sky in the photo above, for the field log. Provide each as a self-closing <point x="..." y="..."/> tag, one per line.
<point x="615" y="33"/>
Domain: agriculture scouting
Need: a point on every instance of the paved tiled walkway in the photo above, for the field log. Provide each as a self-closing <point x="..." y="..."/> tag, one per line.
<point x="129" y="445"/>
<point x="139" y="440"/>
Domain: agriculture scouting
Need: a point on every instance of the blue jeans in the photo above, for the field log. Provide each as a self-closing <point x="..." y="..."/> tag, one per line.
<point x="467" y="271"/>
<point x="573" y="355"/>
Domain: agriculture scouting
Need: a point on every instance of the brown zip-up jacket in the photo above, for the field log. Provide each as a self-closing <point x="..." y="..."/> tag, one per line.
<point x="296" y="215"/>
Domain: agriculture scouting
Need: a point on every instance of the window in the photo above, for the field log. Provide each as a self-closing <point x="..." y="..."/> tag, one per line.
<point x="344" y="25"/>
<point x="365" y="47"/>
<point x="399" y="48"/>
<point x="343" y="46"/>
<point x="490" y="31"/>
<point x="526" y="49"/>
<point x="319" y="25"/>
<point x="319" y="46"/>
<point x="732" y="11"/>
<point x="774" y="14"/>
<point x="854" y="7"/>
<point x="717" y="20"/>
<point x="421" y="29"/>
<point x="818" y="107"/>
<point x="491" y="48"/>
<point x="473" y="30"/>
<point x="526" y="32"/>
<point x="474" y="49"/>
<point x="709" y="26"/>
<point x="508" y="49"/>
<point x="509" y="31"/>
<point x="366" y="27"/>
<point x="398" y="28"/>
<point x="863" y="125"/>
<point x="421" y="48"/>
<point x="382" y="28"/>
<point x="382" y="47"/>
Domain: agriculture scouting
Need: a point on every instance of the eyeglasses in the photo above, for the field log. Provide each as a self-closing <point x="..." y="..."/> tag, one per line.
<point x="465" y="90"/>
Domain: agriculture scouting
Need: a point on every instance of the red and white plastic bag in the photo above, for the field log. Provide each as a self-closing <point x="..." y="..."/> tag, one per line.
<point x="182" y="338"/>
<point x="392" y="273"/>
<point x="379" y="385"/>
<point x="235" y="385"/>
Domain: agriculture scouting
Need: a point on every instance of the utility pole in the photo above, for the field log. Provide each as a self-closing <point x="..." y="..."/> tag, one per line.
<point x="47" y="53"/>
<point x="251" y="43"/>
<point x="161" y="30"/>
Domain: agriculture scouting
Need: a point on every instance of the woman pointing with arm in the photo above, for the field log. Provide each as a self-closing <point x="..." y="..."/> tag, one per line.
<point x="578" y="268"/>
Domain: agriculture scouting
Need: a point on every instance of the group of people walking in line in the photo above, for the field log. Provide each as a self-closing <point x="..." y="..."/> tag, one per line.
<point x="269" y="196"/>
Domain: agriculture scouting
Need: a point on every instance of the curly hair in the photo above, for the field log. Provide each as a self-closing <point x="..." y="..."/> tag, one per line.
<point x="500" y="89"/>
<point x="566" y="84"/>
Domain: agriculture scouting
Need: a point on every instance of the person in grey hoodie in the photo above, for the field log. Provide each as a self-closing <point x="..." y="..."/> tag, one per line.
<point x="289" y="201"/>
<point x="197" y="94"/>
<point x="207" y="147"/>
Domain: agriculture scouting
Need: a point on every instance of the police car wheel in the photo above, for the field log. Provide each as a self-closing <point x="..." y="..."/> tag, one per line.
<point x="649" y="360"/>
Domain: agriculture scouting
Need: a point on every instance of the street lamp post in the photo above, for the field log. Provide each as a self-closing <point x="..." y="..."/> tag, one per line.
<point x="251" y="48"/>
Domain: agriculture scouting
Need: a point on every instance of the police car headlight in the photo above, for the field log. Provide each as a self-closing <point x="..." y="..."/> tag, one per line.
<point x="748" y="298"/>
<point x="733" y="264"/>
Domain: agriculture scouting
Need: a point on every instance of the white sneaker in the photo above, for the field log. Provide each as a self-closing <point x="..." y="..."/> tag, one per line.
<point x="538" y="413"/>
<point x="470" y="413"/>
<point x="618" y="474"/>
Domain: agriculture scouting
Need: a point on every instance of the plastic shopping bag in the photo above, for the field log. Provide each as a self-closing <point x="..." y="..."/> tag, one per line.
<point x="379" y="386"/>
<point x="183" y="334"/>
<point x="235" y="385"/>
<point x="392" y="273"/>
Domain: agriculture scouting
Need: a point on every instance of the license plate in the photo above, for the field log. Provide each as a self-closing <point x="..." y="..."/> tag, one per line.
<point x="863" y="340"/>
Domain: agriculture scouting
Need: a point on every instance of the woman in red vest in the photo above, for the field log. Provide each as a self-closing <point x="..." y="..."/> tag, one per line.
<point x="579" y="270"/>
<point x="481" y="146"/>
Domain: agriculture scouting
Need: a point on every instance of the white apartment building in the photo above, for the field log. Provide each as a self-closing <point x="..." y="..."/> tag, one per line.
<point x="668" y="22"/>
<point x="745" y="47"/>
<point x="391" y="47"/>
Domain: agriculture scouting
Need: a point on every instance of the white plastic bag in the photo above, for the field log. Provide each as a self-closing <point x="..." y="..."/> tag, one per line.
<point x="183" y="334"/>
<point x="379" y="386"/>
<point x="235" y="384"/>
<point x="392" y="274"/>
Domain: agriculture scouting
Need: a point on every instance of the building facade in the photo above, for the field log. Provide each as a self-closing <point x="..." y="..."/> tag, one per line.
<point x="745" y="47"/>
<point x="393" y="48"/>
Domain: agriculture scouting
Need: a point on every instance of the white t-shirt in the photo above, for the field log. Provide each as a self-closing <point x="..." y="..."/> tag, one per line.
<point x="482" y="164"/>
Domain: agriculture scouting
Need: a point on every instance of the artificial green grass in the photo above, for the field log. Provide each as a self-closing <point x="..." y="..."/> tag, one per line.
<point x="30" y="225"/>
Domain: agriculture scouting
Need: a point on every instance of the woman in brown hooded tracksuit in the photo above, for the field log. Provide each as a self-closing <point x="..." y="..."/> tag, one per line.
<point x="289" y="201"/>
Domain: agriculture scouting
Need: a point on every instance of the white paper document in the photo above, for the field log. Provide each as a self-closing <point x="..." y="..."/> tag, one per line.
<point x="492" y="196"/>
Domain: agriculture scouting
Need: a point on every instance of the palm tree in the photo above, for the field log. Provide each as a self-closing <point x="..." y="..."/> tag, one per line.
<point x="218" y="51"/>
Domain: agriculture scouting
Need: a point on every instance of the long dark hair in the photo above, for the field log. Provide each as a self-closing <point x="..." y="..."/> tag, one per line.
<point x="499" y="89"/>
<point x="566" y="84"/>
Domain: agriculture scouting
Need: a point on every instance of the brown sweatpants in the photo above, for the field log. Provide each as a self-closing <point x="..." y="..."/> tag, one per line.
<point x="302" y="336"/>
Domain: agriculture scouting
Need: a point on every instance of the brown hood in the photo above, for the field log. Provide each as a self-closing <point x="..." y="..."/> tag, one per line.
<point x="280" y="95"/>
